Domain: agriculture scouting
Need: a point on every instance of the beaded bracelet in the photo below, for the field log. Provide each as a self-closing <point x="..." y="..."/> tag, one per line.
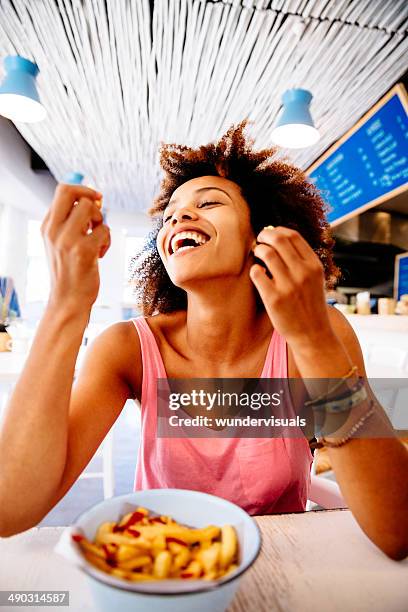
<point x="321" y="442"/>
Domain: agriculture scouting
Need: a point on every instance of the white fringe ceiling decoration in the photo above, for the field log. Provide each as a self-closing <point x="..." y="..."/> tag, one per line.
<point x="118" y="76"/>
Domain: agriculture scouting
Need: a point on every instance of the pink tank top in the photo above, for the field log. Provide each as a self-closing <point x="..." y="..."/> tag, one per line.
<point x="262" y="475"/>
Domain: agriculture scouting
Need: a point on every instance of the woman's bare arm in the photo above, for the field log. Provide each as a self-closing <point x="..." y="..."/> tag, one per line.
<point x="42" y="453"/>
<point x="33" y="436"/>
<point x="372" y="471"/>
<point x="34" y="432"/>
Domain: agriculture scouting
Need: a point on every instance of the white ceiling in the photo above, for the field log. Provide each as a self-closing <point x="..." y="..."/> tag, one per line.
<point x="116" y="82"/>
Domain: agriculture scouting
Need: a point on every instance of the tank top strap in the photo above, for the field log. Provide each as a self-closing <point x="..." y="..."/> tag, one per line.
<point x="276" y="364"/>
<point x="152" y="363"/>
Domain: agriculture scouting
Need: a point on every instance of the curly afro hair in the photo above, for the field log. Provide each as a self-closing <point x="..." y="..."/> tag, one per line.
<point x="277" y="193"/>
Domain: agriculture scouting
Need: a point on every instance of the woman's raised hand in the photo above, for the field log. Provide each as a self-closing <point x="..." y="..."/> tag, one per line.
<point x="72" y="248"/>
<point x="294" y="296"/>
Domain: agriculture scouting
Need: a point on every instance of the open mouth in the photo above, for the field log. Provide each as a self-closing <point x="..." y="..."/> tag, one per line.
<point x="187" y="240"/>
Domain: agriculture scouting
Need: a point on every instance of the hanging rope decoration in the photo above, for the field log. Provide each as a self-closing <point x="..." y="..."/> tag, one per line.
<point x="116" y="80"/>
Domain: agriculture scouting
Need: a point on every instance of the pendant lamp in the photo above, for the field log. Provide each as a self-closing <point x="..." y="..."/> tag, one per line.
<point x="73" y="178"/>
<point x="295" y="128"/>
<point x="19" y="99"/>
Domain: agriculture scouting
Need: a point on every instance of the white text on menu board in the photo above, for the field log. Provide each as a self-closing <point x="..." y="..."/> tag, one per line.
<point x="395" y="168"/>
<point x="346" y="190"/>
<point x="384" y="146"/>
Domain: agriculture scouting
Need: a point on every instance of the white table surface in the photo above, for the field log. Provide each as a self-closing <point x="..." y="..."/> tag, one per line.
<point x="310" y="562"/>
<point x="11" y="365"/>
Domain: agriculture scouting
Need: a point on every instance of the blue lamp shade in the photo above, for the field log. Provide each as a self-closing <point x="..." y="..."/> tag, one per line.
<point x="76" y="178"/>
<point x="295" y="128"/>
<point x="19" y="99"/>
<point x="73" y="178"/>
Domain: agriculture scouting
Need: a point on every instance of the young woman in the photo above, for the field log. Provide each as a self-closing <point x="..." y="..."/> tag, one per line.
<point x="209" y="311"/>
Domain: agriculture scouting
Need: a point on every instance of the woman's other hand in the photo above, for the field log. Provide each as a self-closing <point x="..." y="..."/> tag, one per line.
<point x="72" y="249"/>
<point x="294" y="297"/>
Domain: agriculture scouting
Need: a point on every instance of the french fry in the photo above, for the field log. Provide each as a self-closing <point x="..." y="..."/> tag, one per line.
<point x="133" y="519"/>
<point x="92" y="548"/>
<point x="142" y="510"/>
<point x="229" y="546"/>
<point x="104" y="529"/>
<point x="116" y="538"/>
<point x="231" y="569"/>
<point x="139" y="577"/>
<point x="136" y="563"/>
<point x="145" y="520"/>
<point x="158" y="544"/>
<point x="120" y="573"/>
<point x="124" y="552"/>
<point x="175" y="548"/>
<point x="188" y="536"/>
<point x="193" y="570"/>
<point x="125" y="519"/>
<point x="209" y="557"/>
<point x="110" y="550"/>
<point x="162" y="564"/>
<point x="181" y="559"/>
<point x="97" y="562"/>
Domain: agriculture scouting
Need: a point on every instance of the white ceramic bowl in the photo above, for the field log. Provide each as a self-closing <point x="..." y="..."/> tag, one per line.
<point x="186" y="507"/>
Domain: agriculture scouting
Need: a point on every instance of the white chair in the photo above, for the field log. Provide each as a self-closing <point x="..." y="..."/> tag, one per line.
<point x="324" y="492"/>
<point x="106" y="451"/>
<point x="396" y="357"/>
<point x="107" y="474"/>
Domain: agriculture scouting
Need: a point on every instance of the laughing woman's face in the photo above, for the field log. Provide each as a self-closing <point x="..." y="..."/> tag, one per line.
<point x="206" y="231"/>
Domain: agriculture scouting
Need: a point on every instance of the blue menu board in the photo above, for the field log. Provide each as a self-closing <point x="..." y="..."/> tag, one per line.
<point x="401" y="275"/>
<point x="370" y="163"/>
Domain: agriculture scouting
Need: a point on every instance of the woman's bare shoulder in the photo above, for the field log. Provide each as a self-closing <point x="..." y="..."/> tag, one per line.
<point x="123" y="344"/>
<point x="120" y="342"/>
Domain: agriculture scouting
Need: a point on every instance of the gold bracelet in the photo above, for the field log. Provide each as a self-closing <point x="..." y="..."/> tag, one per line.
<point x="352" y="371"/>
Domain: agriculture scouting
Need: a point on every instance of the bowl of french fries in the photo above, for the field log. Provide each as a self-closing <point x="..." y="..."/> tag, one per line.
<point x="163" y="549"/>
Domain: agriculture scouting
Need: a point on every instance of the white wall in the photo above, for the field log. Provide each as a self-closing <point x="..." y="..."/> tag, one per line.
<point x="13" y="248"/>
<point x="24" y="194"/>
<point x="21" y="188"/>
<point x="108" y="306"/>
